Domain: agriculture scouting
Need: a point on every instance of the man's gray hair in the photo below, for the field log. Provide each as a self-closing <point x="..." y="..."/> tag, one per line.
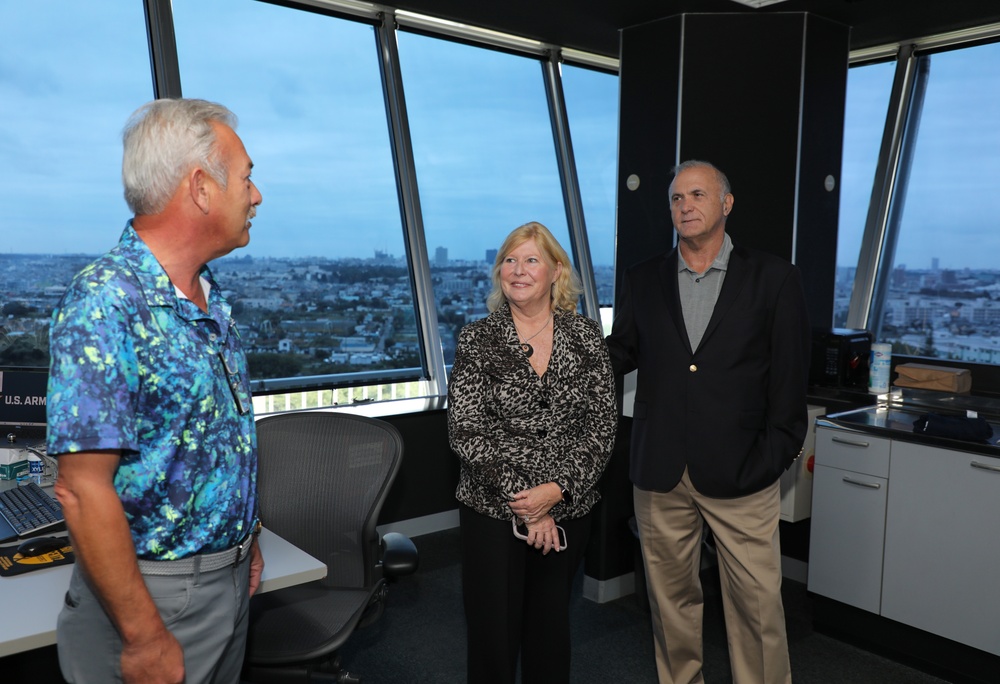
<point x="721" y="177"/>
<point x="163" y="140"/>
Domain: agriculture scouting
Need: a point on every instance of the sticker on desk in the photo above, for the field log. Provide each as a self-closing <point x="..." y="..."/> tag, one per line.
<point x="14" y="563"/>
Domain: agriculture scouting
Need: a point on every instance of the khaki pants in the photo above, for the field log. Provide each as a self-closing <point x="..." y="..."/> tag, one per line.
<point x="746" y="535"/>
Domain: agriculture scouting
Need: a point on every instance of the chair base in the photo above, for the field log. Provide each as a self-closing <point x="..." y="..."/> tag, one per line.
<point x="325" y="672"/>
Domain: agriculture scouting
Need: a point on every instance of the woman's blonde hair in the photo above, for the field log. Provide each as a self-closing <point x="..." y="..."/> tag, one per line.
<point x="566" y="290"/>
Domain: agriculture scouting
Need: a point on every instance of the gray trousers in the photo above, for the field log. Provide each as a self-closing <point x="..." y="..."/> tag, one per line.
<point x="207" y="612"/>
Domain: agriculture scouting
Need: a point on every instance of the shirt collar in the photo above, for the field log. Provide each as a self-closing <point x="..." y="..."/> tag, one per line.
<point x="721" y="262"/>
<point x="156" y="284"/>
<point x="203" y="282"/>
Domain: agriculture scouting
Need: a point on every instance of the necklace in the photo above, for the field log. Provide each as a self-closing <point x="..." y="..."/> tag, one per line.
<point x="527" y="348"/>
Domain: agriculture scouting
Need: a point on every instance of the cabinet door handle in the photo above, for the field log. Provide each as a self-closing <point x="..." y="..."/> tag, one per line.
<point x="870" y="485"/>
<point x="848" y="442"/>
<point x="985" y="466"/>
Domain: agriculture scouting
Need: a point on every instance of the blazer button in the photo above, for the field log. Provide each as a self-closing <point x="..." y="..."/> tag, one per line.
<point x="693" y="368"/>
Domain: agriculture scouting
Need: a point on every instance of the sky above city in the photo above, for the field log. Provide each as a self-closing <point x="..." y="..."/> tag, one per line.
<point x="307" y="91"/>
<point x="312" y="117"/>
<point x="947" y="213"/>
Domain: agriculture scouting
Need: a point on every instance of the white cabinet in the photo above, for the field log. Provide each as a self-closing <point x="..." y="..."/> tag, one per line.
<point x="848" y="517"/>
<point x="942" y="544"/>
<point x="910" y="532"/>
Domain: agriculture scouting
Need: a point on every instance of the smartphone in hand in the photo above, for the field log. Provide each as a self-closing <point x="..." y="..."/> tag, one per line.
<point x="521" y="532"/>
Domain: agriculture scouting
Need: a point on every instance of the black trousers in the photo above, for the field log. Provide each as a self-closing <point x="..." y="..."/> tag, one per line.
<point x="517" y="600"/>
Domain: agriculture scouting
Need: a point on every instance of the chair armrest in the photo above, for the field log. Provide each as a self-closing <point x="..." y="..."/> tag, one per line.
<point x="399" y="555"/>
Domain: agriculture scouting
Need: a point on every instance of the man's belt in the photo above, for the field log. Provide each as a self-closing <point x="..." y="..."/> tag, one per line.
<point x="203" y="562"/>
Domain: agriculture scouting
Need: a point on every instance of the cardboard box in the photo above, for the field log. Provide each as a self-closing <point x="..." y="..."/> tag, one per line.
<point x="13" y="462"/>
<point x="938" y="378"/>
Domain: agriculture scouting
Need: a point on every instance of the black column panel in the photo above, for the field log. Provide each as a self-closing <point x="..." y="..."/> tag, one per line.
<point x="761" y="96"/>
<point x="823" y="103"/>
<point x="612" y="548"/>
<point x="649" y="91"/>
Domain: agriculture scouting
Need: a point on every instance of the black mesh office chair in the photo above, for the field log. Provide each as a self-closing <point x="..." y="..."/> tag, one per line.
<point x="323" y="478"/>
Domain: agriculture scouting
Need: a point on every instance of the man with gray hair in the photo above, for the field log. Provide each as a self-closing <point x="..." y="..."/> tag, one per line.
<point x="150" y="414"/>
<point x="720" y="336"/>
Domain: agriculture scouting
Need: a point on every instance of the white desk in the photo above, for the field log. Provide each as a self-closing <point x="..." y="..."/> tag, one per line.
<point x="31" y="602"/>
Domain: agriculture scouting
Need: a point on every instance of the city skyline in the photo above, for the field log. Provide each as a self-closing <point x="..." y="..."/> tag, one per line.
<point x="314" y="122"/>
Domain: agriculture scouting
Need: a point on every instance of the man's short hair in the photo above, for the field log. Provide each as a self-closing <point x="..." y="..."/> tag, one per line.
<point x="163" y="140"/>
<point x="720" y="176"/>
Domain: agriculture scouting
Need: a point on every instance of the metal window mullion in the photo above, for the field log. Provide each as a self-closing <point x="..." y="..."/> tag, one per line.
<point x="162" y="48"/>
<point x="900" y="190"/>
<point x="409" y="202"/>
<point x="872" y="256"/>
<point x="570" y="184"/>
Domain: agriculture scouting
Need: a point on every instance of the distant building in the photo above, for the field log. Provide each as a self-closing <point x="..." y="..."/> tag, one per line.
<point x="455" y="285"/>
<point x="491" y="256"/>
<point x="441" y="256"/>
<point x="268" y="303"/>
<point x="356" y="345"/>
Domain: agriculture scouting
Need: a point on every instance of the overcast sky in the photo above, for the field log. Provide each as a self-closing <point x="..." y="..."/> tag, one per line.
<point x="948" y="213"/>
<point x="306" y="90"/>
<point x="312" y="116"/>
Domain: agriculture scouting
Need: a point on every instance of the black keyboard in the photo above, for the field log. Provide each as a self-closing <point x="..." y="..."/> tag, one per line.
<point x="30" y="510"/>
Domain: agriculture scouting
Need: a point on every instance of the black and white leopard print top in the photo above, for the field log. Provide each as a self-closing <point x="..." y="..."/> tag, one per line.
<point x="514" y="430"/>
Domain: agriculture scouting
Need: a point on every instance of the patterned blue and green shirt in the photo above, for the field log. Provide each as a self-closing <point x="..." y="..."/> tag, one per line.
<point x="137" y="368"/>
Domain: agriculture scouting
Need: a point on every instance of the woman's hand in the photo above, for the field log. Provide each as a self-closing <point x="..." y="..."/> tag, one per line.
<point x="542" y="534"/>
<point x="532" y="504"/>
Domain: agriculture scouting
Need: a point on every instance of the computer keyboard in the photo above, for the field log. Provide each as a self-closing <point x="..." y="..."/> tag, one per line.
<point x="30" y="510"/>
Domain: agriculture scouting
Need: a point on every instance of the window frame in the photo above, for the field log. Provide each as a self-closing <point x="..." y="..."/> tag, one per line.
<point x="875" y="261"/>
<point x="901" y="129"/>
<point x="433" y="374"/>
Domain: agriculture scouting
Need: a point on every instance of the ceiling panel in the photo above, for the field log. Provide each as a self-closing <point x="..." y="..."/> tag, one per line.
<point x="593" y="25"/>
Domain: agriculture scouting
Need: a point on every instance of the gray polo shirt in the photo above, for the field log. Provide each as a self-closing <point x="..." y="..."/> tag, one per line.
<point x="700" y="291"/>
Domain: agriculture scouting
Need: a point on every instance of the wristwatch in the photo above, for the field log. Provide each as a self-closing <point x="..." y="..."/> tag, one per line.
<point x="566" y="496"/>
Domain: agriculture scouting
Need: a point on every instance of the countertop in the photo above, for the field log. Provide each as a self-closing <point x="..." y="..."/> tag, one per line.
<point x="895" y="419"/>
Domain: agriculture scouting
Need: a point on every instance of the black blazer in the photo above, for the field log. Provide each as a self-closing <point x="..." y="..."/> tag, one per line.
<point x="733" y="411"/>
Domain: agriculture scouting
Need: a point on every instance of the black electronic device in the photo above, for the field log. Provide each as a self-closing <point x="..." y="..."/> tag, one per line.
<point x="521" y="532"/>
<point x="22" y="403"/>
<point x="39" y="545"/>
<point x="840" y="358"/>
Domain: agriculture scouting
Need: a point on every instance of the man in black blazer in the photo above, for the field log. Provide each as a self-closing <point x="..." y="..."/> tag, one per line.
<point x="720" y="337"/>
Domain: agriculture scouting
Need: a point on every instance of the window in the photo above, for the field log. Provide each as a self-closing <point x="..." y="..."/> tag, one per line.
<point x="943" y="298"/>
<point x="71" y="75"/>
<point x="485" y="162"/>
<point x="324" y="287"/>
<point x="868" y="90"/>
<point x="323" y="293"/>
<point x="592" y="109"/>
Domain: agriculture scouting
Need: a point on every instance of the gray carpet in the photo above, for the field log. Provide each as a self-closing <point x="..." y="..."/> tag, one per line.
<point x="421" y="636"/>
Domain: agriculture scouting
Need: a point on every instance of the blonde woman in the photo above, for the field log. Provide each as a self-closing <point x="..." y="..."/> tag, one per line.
<point x="532" y="417"/>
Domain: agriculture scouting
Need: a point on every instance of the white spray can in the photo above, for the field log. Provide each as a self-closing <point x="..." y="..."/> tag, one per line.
<point x="878" y="368"/>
